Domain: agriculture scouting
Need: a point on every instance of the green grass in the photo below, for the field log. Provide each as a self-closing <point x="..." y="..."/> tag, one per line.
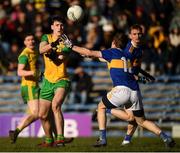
<point x="85" y="145"/>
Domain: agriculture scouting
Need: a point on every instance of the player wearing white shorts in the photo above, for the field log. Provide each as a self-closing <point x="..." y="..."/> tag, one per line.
<point x="126" y="92"/>
<point x="121" y="96"/>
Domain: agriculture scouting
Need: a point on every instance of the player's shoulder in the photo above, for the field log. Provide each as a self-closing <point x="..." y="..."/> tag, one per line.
<point x="130" y="48"/>
<point x="45" y="37"/>
<point x="24" y="51"/>
<point x="23" y="55"/>
<point x="27" y="52"/>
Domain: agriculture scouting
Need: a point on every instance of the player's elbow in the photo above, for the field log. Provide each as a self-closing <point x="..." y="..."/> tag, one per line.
<point x="41" y="50"/>
<point x="19" y="73"/>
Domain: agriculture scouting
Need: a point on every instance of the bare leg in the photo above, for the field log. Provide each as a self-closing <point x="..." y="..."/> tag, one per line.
<point x="132" y="125"/>
<point x="52" y="122"/>
<point x="131" y="128"/>
<point x="123" y="114"/>
<point x="27" y="120"/>
<point x="31" y="117"/>
<point x="101" y="116"/>
<point x="149" y="125"/>
<point x="56" y="108"/>
<point x="45" y="105"/>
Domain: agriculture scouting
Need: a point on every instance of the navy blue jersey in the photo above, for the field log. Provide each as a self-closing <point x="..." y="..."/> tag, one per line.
<point x="120" y="68"/>
<point x="135" y="55"/>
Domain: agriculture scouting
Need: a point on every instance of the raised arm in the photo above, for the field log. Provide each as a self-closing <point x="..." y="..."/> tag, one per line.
<point x="44" y="46"/>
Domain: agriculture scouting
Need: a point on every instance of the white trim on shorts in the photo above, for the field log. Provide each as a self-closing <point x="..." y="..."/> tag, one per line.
<point x="122" y="96"/>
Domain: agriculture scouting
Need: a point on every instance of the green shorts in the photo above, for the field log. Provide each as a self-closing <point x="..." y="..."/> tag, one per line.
<point x="48" y="89"/>
<point x="29" y="93"/>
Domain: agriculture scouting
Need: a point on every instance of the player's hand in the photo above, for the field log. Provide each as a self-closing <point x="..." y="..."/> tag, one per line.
<point x="143" y="79"/>
<point x="55" y="43"/>
<point x="61" y="57"/>
<point x="67" y="42"/>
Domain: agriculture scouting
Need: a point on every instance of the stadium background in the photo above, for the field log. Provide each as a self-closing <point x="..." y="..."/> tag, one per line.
<point x="161" y="22"/>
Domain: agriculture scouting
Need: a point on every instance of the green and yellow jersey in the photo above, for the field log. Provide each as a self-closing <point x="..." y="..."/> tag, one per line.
<point x="55" y="70"/>
<point x="29" y="58"/>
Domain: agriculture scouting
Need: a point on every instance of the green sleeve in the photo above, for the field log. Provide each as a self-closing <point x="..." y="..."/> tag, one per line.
<point x="66" y="50"/>
<point x="23" y="59"/>
<point x="44" y="38"/>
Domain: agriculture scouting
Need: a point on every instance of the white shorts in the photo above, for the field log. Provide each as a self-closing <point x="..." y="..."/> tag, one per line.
<point x="122" y="96"/>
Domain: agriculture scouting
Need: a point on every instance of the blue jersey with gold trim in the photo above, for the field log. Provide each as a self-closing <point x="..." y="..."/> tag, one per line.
<point x="120" y="68"/>
<point x="133" y="52"/>
<point x="135" y="55"/>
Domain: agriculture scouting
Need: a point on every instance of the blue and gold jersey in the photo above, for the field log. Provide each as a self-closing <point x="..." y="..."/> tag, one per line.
<point x="120" y="66"/>
<point x="135" y="55"/>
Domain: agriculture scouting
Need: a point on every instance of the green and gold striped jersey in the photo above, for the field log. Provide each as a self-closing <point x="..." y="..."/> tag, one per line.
<point x="29" y="58"/>
<point x="55" y="69"/>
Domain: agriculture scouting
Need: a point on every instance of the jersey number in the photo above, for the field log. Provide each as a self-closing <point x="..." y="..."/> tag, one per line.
<point x="127" y="65"/>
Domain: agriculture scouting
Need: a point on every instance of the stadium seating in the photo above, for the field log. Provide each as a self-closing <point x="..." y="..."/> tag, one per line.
<point x="161" y="99"/>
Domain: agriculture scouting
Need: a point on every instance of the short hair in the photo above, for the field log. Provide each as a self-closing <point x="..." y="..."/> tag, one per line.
<point x="57" y="18"/>
<point x="28" y="34"/>
<point x="135" y="26"/>
<point x="120" y="40"/>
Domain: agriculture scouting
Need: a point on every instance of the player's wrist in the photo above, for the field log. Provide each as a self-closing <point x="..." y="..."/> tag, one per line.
<point x="32" y="73"/>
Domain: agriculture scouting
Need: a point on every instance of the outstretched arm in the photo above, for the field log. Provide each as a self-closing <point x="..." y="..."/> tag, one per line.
<point x="87" y="52"/>
<point x="80" y="50"/>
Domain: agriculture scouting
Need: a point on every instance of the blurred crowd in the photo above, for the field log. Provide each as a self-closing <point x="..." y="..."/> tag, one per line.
<point x="160" y="20"/>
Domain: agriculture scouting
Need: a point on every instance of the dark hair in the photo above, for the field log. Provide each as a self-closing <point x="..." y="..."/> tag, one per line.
<point x="28" y="34"/>
<point x="57" y="18"/>
<point x="120" y="40"/>
<point x="135" y="26"/>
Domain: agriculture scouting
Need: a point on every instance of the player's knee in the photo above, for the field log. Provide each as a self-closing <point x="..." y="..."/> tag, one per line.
<point x="140" y="121"/>
<point x="130" y="117"/>
<point x="101" y="106"/>
<point x="35" y="113"/>
<point x="36" y="116"/>
<point x="56" y="108"/>
<point x="42" y="116"/>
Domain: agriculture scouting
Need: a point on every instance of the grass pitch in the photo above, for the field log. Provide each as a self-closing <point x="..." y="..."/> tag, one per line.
<point x="85" y="145"/>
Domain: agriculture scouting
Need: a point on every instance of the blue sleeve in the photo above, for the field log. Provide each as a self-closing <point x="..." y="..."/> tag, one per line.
<point x="107" y="54"/>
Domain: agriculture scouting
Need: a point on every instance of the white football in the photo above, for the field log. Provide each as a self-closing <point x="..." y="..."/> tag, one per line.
<point x="74" y="12"/>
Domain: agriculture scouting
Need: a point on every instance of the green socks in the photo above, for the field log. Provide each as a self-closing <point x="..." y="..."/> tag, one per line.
<point x="48" y="140"/>
<point x="60" y="137"/>
<point x="18" y="130"/>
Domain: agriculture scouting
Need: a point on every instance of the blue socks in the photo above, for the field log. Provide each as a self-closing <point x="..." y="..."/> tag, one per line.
<point x="163" y="136"/>
<point x="127" y="137"/>
<point x="108" y="111"/>
<point x="103" y="134"/>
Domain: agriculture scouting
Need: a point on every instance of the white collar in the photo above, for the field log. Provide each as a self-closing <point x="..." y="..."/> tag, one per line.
<point x="134" y="45"/>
